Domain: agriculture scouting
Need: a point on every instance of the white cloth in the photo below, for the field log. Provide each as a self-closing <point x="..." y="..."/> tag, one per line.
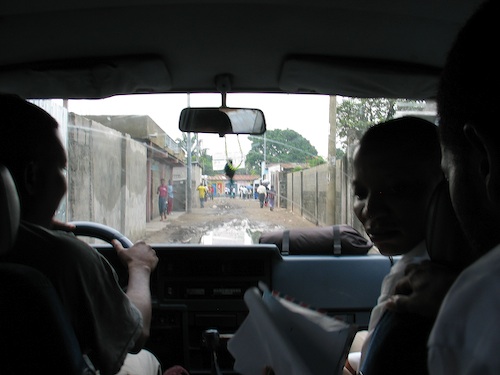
<point x="142" y="363"/>
<point x="466" y="336"/>
<point x="415" y="255"/>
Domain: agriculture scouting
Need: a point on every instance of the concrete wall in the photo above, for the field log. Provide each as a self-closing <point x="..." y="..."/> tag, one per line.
<point x="99" y="154"/>
<point x="134" y="186"/>
<point x="307" y="189"/>
<point x="306" y="193"/>
<point x="180" y="178"/>
<point x="141" y="127"/>
<point x="296" y="192"/>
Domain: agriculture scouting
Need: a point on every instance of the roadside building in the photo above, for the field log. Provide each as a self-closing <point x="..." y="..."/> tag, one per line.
<point x="163" y="155"/>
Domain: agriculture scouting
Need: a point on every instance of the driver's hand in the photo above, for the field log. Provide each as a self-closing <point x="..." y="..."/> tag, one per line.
<point x="422" y="289"/>
<point x="139" y="255"/>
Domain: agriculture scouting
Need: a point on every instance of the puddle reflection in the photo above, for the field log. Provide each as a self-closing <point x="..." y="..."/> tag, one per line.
<point x="236" y="232"/>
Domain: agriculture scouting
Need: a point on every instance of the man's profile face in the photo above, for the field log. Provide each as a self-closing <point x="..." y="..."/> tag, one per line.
<point x="392" y="189"/>
<point x="51" y="180"/>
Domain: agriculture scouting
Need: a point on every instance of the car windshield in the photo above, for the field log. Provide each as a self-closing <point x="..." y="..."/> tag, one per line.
<point x="128" y="160"/>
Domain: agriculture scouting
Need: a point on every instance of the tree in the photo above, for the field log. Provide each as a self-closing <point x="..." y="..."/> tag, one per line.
<point x="282" y="146"/>
<point x="315" y="161"/>
<point x="339" y="153"/>
<point x="355" y="115"/>
<point x="198" y="154"/>
<point x="184" y="141"/>
<point x="206" y="162"/>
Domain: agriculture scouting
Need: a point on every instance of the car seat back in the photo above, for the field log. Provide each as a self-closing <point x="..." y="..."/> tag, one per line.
<point x="36" y="335"/>
<point x="9" y="211"/>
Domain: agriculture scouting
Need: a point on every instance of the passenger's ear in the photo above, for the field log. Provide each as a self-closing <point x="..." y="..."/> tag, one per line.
<point x="488" y="158"/>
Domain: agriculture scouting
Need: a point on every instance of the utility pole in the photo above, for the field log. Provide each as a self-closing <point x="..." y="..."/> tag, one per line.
<point x="188" y="174"/>
<point x="263" y="166"/>
<point x="332" y="152"/>
<point x="189" y="167"/>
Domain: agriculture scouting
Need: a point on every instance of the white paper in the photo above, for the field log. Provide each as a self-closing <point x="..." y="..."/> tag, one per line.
<point x="292" y="339"/>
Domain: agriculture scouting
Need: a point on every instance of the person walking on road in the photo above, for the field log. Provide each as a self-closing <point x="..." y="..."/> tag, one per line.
<point x="262" y="191"/>
<point x="271" y="195"/>
<point x="202" y="192"/>
<point x="162" y="199"/>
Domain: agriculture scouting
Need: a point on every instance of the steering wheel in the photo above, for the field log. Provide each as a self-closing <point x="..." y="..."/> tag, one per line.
<point x="101" y="231"/>
<point x="105" y="233"/>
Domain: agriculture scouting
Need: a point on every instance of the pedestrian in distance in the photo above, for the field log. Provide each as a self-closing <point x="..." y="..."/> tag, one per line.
<point x="202" y="192"/>
<point x="162" y="193"/>
<point x="170" y="197"/>
<point x="262" y="193"/>
<point x="271" y="195"/>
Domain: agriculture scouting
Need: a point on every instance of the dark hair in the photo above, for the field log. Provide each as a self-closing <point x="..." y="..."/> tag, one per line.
<point x="416" y="135"/>
<point x="27" y="131"/>
<point x="468" y="92"/>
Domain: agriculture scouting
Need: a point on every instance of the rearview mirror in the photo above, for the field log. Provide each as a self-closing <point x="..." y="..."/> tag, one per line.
<point x="222" y="121"/>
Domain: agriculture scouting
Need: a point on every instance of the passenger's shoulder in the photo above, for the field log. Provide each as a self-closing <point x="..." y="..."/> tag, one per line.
<point x="477" y="283"/>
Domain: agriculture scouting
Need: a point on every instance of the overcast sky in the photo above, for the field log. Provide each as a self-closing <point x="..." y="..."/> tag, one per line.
<point x="306" y="114"/>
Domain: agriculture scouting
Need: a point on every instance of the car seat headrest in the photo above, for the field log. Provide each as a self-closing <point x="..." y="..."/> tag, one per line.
<point x="10" y="211"/>
<point x="445" y="239"/>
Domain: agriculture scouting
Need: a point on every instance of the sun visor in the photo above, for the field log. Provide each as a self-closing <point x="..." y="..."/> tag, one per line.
<point x="92" y="79"/>
<point x="359" y="78"/>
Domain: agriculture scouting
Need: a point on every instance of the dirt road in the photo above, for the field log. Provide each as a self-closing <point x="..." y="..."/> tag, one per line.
<point x="223" y="220"/>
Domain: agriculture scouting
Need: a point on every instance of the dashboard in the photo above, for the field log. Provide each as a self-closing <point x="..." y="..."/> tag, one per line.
<point x="198" y="289"/>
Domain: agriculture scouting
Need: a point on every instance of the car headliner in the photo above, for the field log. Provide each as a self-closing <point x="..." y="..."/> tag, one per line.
<point x="99" y="48"/>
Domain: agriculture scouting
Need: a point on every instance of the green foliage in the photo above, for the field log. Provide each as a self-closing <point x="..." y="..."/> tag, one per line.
<point x="355" y="115"/>
<point x="253" y="172"/>
<point x="282" y="146"/>
<point x="315" y="161"/>
<point x="206" y="163"/>
<point x="184" y="141"/>
<point x="339" y="153"/>
<point x="197" y="154"/>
